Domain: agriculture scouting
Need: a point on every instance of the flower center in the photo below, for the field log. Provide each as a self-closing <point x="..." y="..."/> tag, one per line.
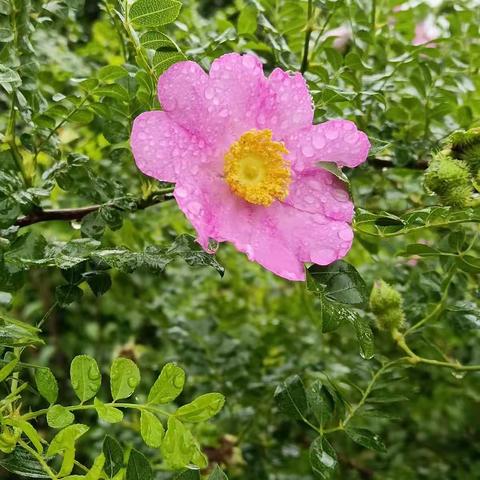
<point x="255" y="168"/>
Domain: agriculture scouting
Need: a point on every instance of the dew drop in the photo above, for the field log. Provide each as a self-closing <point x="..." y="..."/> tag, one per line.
<point x="132" y="382"/>
<point x="458" y="374"/>
<point x="331" y="134"/>
<point x="195" y="208"/>
<point x="318" y="141"/>
<point x="345" y="234"/>
<point x="212" y="246"/>
<point x="307" y="150"/>
<point x="76" y="225"/>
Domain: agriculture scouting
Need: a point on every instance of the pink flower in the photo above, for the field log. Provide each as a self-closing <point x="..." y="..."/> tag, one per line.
<point x="343" y="36"/>
<point x="243" y="153"/>
<point x="425" y="32"/>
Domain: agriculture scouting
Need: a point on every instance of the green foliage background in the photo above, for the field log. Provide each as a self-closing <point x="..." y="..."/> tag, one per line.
<point x="306" y="370"/>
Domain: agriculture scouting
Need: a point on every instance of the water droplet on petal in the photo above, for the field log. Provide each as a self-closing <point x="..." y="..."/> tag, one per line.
<point x="318" y="141"/>
<point x="209" y="93"/>
<point x="345" y="234"/>
<point x="331" y="134"/>
<point x="195" y="208"/>
<point x="307" y="150"/>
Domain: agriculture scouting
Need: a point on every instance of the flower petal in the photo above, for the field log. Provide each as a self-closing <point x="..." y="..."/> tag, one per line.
<point x="292" y="108"/>
<point x="313" y="237"/>
<point x="182" y="94"/>
<point x="239" y="89"/>
<point x="161" y="148"/>
<point x="318" y="191"/>
<point x="214" y="211"/>
<point x="336" y="141"/>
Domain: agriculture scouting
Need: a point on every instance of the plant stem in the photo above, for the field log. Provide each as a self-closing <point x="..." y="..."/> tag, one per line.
<point x="308" y="34"/>
<point x="439" y="307"/>
<point x="69" y="214"/>
<point x="414" y="358"/>
<point x="90" y="406"/>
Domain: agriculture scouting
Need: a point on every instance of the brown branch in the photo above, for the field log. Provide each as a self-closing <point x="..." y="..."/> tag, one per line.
<point x="70" y="214"/>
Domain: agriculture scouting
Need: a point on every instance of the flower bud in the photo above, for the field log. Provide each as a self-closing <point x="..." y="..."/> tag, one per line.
<point x="387" y="305"/>
<point x="450" y="179"/>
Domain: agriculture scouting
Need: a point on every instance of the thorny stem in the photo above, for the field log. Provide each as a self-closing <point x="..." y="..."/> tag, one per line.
<point x="69" y="214"/>
<point x="308" y="34"/>
<point x="414" y="358"/>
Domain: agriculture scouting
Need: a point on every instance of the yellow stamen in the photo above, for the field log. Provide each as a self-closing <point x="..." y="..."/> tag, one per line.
<point x="256" y="170"/>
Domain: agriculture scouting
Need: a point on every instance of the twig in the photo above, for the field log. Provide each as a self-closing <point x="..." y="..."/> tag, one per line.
<point x="70" y="214"/>
<point x="308" y="34"/>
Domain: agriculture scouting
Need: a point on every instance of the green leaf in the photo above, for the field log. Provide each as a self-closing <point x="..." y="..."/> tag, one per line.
<point x="46" y="384"/>
<point x="163" y="60"/>
<point x="28" y="430"/>
<point x="366" y="438"/>
<point x="168" y="385"/>
<point x="113" y="456"/>
<point x="85" y="377"/>
<point x="107" y="413"/>
<point x="138" y="467"/>
<point x="334" y="169"/>
<point x="124" y="378"/>
<point x="67" y="294"/>
<point x="323" y="458"/>
<point x="188" y="474"/>
<point x="247" y="21"/>
<point x="64" y="442"/>
<point x="464" y="315"/>
<point x="59" y="417"/>
<point x="15" y="333"/>
<point x="320" y="402"/>
<point x="365" y="336"/>
<point x="151" y="429"/>
<point x="217" y="474"/>
<point x="99" y="282"/>
<point x="7" y="75"/>
<point x="291" y="398"/>
<point x="338" y="281"/>
<point x="22" y="463"/>
<point x="154" y="13"/>
<point x="8" y="369"/>
<point x="202" y="408"/>
<point x="95" y="473"/>
<point x="110" y="73"/>
<point x="178" y="446"/>
<point x="156" y="41"/>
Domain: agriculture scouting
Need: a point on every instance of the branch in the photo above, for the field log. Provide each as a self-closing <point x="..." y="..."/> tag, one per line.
<point x="70" y="214"/>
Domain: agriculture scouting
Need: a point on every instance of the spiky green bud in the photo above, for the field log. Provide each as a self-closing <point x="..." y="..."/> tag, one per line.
<point x="387" y="305"/>
<point x="465" y="145"/>
<point x="450" y="179"/>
